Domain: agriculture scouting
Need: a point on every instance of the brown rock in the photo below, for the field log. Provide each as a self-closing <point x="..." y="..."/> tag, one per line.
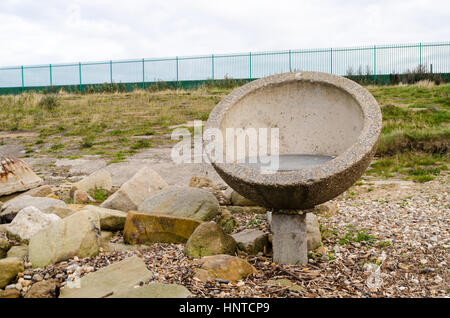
<point x="141" y="228"/>
<point x="44" y="289"/>
<point x="10" y="293"/>
<point x="226" y="267"/>
<point x="81" y="197"/>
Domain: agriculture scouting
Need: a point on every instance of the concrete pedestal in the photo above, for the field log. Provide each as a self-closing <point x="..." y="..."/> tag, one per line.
<point x="289" y="238"/>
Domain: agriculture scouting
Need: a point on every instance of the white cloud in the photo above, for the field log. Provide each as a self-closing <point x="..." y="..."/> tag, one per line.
<point x="51" y="31"/>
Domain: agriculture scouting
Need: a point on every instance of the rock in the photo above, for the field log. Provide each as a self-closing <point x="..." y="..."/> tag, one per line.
<point x="10" y="293"/>
<point x="239" y="200"/>
<point x="110" y="280"/>
<point x="19" y="251"/>
<point x="105" y="236"/>
<point x="313" y="235"/>
<point x="16" y="176"/>
<point x="9" y="268"/>
<point x="76" y="235"/>
<point x="226" y="267"/>
<point x="185" y="202"/>
<point x="42" y="191"/>
<point x="76" y="207"/>
<point x="13" y="206"/>
<point x="142" y="228"/>
<point x="81" y="197"/>
<point x="133" y="192"/>
<point x="53" y="196"/>
<point x="227" y="221"/>
<point x="28" y="222"/>
<point x="98" y="180"/>
<point x="252" y="241"/>
<point x="200" y="182"/>
<point x="209" y="239"/>
<point x="61" y="211"/>
<point x="154" y="290"/>
<point x="110" y="220"/>
<point x="3" y="227"/>
<point x="44" y="289"/>
<point x="326" y="209"/>
<point x="4" y="247"/>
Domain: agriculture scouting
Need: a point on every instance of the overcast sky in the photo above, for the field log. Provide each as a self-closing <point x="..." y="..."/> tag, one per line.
<point x="54" y="31"/>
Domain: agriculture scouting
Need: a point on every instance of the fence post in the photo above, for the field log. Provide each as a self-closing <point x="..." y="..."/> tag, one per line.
<point x="420" y="54"/>
<point x="212" y="66"/>
<point x="143" y="73"/>
<point x="331" y="60"/>
<point x="51" y="80"/>
<point x="374" y="64"/>
<point x="250" y="55"/>
<point x="290" y="63"/>
<point x="79" y="69"/>
<point x="110" y="73"/>
<point x="177" y="70"/>
<point x="22" y="80"/>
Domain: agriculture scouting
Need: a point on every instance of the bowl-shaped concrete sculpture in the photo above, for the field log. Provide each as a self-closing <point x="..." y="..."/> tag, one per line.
<point x="329" y="128"/>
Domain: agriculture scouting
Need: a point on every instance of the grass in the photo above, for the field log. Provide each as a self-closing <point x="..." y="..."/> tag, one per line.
<point x="356" y="236"/>
<point x="414" y="142"/>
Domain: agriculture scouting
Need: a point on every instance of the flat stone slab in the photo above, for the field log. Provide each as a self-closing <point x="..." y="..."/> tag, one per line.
<point x="143" y="228"/>
<point x="109" y="281"/>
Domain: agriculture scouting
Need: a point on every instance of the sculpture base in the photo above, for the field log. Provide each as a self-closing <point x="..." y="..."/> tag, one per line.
<point x="289" y="240"/>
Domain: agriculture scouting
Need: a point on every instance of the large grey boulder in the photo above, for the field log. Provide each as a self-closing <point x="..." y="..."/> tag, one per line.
<point x="154" y="290"/>
<point x="109" y="281"/>
<point x="13" y="206"/>
<point x="252" y="241"/>
<point x="76" y="235"/>
<point x="98" y="180"/>
<point x="186" y="202"/>
<point x="28" y="222"/>
<point x="133" y="192"/>
<point x="110" y="220"/>
<point x="209" y="239"/>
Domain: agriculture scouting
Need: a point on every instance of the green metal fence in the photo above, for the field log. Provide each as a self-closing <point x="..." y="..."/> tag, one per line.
<point x="375" y="62"/>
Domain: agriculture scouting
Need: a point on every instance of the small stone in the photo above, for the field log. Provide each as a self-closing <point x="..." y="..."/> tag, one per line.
<point x="10" y="293"/>
<point x="81" y="197"/>
<point x="37" y="277"/>
<point x="324" y="258"/>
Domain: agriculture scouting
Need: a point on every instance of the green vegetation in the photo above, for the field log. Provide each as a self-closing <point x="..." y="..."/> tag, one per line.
<point x="114" y="124"/>
<point x="356" y="235"/>
<point x="99" y="195"/>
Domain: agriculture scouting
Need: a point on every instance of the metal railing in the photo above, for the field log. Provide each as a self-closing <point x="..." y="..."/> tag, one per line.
<point x="374" y="61"/>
